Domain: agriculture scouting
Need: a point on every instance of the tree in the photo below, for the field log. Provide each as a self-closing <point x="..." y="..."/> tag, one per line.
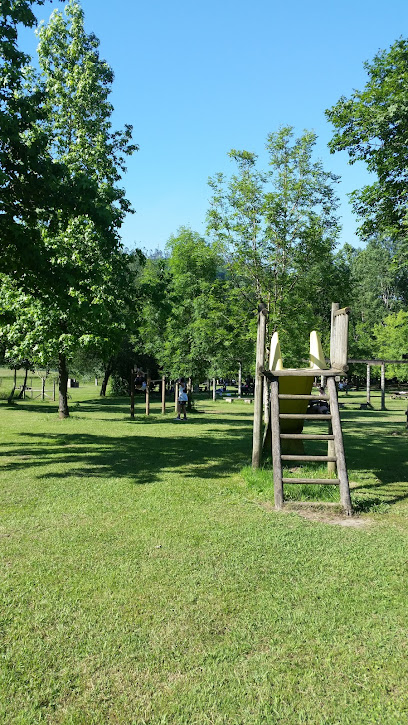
<point x="30" y="178"/>
<point x="82" y="297"/>
<point x="391" y="336"/>
<point x="275" y="226"/>
<point x="372" y="126"/>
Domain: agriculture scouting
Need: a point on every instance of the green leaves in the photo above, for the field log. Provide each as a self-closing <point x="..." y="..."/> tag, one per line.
<point x="275" y="224"/>
<point x="372" y="126"/>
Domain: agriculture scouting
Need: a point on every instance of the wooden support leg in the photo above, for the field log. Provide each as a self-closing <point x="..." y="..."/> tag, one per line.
<point x="276" y="449"/>
<point x="338" y="439"/>
<point x="383" y="387"/>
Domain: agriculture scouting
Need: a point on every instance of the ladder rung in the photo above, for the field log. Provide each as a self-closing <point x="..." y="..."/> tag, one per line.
<point x="286" y="396"/>
<point x="305" y="416"/>
<point x="308" y="436"/>
<point x="329" y="459"/>
<point x="320" y="481"/>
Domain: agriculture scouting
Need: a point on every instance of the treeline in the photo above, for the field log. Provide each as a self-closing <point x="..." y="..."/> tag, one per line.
<point x="71" y="296"/>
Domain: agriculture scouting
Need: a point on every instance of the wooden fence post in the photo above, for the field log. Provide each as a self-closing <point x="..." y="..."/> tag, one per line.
<point x="368" y="382"/>
<point x="148" y="396"/>
<point x="176" y="392"/>
<point x="258" y="393"/>
<point x="132" y="394"/>
<point x="383" y="386"/>
<point x="163" y="394"/>
<point x="42" y="388"/>
<point x="213" y="388"/>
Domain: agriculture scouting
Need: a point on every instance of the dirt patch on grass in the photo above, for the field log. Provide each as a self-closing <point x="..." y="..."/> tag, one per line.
<point x="323" y="513"/>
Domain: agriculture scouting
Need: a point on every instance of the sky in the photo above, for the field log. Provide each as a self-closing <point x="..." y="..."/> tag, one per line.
<point x="196" y="79"/>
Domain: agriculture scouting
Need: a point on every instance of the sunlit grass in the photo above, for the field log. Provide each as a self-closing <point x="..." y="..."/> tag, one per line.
<point x="144" y="581"/>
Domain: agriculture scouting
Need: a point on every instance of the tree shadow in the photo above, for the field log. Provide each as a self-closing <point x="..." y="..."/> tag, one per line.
<point x="141" y="459"/>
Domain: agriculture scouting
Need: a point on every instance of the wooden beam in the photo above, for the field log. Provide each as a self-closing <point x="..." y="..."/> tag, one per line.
<point x="338" y="438"/>
<point x="378" y="362"/>
<point x="288" y="457"/>
<point x="319" y="481"/>
<point x="308" y="372"/>
<point x="308" y="436"/>
<point x="383" y="387"/>
<point x="276" y="448"/>
<point x="287" y="396"/>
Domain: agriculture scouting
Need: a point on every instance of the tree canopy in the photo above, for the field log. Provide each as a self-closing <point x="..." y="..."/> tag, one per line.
<point x="372" y="126"/>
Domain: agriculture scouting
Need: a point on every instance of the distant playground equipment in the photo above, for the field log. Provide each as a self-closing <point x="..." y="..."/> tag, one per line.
<point x="141" y="381"/>
<point x="290" y="395"/>
<point x="43" y="393"/>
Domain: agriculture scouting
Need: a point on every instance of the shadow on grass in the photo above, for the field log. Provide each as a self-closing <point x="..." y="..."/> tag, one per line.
<point x="223" y="447"/>
<point x="141" y="459"/>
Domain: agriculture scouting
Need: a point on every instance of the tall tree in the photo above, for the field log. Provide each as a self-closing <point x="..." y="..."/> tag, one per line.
<point x="83" y="292"/>
<point x="30" y="179"/>
<point x="372" y="126"/>
<point x="276" y="225"/>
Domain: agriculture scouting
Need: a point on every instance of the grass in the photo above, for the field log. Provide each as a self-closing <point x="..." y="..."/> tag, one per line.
<point x="144" y="580"/>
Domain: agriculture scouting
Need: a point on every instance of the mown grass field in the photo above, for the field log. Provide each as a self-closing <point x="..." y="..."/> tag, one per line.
<point x="147" y="579"/>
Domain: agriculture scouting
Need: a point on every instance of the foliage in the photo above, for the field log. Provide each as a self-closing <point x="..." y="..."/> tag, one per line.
<point x="30" y="180"/>
<point x="82" y="294"/>
<point x="391" y="337"/>
<point x="275" y="225"/>
<point x="372" y="126"/>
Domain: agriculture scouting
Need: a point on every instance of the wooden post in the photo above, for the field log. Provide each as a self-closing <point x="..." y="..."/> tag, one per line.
<point x="148" y="396"/>
<point x="163" y="394"/>
<point x="335" y="306"/>
<point x="132" y="394"/>
<point x="176" y="393"/>
<point x="383" y="386"/>
<point x="258" y="394"/>
<point x="239" y="379"/>
<point x="276" y="448"/>
<point x="341" y="459"/>
<point x="368" y="382"/>
<point x="339" y="337"/>
<point x="54" y="390"/>
<point x="213" y="388"/>
<point x="331" y="451"/>
<point x="42" y="388"/>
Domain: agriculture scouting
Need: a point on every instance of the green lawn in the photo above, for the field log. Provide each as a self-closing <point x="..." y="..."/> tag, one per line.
<point x="145" y="580"/>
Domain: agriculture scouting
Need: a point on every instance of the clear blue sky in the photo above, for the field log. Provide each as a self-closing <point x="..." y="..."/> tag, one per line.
<point x="196" y="79"/>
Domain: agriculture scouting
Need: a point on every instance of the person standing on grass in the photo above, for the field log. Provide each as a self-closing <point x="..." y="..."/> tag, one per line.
<point x="182" y="399"/>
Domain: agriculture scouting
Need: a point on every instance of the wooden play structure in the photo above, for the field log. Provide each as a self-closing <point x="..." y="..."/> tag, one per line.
<point x="290" y="394"/>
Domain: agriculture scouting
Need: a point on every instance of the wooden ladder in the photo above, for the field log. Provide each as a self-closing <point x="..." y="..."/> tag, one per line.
<point x="335" y="438"/>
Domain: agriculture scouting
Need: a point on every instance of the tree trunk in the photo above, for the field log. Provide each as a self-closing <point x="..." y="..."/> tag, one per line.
<point x="108" y="373"/>
<point x="11" y="396"/>
<point x="22" y="391"/>
<point x="63" y="411"/>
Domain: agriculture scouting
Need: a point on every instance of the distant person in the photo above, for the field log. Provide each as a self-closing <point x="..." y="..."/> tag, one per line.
<point x="182" y="399"/>
<point x="322" y="406"/>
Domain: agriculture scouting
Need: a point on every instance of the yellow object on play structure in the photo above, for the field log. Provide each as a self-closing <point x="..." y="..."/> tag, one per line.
<point x="295" y="384"/>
